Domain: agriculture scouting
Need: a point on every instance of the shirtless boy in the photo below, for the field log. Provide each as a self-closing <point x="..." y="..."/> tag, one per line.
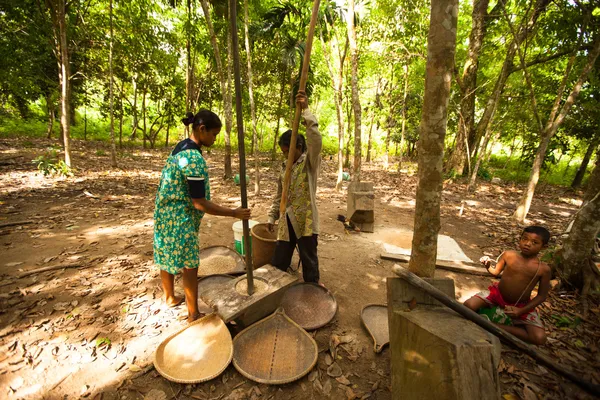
<point x="522" y="272"/>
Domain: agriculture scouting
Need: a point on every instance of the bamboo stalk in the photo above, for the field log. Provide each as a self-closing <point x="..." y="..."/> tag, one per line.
<point x="490" y="327"/>
<point x="303" y="78"/>
<point x="242" y="150"/>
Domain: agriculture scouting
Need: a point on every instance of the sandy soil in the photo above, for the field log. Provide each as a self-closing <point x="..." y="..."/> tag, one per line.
<point x="90" y="329"/>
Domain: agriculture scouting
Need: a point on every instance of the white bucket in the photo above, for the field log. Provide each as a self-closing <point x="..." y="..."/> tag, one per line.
<point x="238" y="235"/>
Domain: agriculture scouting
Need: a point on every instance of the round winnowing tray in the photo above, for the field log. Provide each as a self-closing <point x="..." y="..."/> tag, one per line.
<point x="209" y="282"/>
<point x="275" y="350"/>
<point x="199" y="352"/>
<point x="219" y="260"/>
<point x="375" y="319"/>
<point x="309" y="305"/>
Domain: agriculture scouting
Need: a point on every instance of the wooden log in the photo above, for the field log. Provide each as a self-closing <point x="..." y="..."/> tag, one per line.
<point x="454" y="266"/>
<point x="7" y="224"/>
<point x="302" y="87"/>
<point x="492" y="328"/>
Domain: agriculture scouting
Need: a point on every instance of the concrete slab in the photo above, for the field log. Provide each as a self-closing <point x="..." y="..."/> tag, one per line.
<point x="399" y="241"/>
<point x="234" y="304"/>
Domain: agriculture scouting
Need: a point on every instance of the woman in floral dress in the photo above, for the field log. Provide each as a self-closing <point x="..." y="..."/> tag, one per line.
<point x="182" y="200"/>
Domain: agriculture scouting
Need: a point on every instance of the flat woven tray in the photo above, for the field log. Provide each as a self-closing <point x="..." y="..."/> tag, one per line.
<point x="207" y="283"/>
<point x="375" y="319"/>
<point x="219" y="260"/>
<point x="275" y="350"/>
<point x="309" y="305"/>
<point x="199" y="352"/>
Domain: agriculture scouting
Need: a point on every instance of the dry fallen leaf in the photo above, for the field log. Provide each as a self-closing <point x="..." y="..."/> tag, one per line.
<point x="334" y="370"/>
<point x="155" y="394"/>
<point x="133" y="368"/>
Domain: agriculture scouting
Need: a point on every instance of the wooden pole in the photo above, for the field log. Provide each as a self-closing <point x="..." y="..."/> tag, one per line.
<point x="303" y="77"/>
<point x="241" y="147"/>
<point x="492" y="328"/>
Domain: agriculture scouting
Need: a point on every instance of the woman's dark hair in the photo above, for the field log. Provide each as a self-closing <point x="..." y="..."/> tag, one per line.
<point x="204" y="117"/>
<point x="286" y="138"/>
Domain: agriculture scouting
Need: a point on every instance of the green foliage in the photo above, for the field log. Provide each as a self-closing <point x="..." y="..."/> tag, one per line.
<point x="562" y="321"/>
<point x="484" y="173"/>
<point x="49" y="164"/>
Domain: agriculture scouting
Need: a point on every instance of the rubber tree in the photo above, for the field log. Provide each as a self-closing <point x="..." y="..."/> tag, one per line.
<point x="113" y="148"/>
<point x="251" y="97"/>
<point x="224" y="80"/>
<point x="335" y="57"/>
<point x="467" y="83"/>
<point x="354" y="84"/>
<point x="574" y="257"/>
<point x="441" y="47"/>
<point x="57" y="10"/>
<point x="556" y="118"/>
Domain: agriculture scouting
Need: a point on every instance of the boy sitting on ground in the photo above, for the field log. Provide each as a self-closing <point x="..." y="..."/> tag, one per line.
<point x="522" y="271"/>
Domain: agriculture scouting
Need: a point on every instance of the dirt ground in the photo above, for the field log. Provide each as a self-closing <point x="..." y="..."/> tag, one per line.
<point x="90" y="329"/>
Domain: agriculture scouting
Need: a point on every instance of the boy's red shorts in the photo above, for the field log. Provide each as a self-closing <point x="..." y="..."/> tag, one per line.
<point x="493" y="297"/>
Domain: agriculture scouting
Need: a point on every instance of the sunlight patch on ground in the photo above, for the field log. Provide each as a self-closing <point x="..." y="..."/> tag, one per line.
<point x="571" y="201"/>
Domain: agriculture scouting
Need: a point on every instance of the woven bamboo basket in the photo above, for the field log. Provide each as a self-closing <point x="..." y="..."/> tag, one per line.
<point x="375" y="319"/>
<point x="275" y="350"/>
<point x="197" y="353"/>
<point x="309" y="305"/>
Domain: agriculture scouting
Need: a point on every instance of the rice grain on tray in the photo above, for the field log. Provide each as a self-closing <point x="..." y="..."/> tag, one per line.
<point x="217" y="264"/>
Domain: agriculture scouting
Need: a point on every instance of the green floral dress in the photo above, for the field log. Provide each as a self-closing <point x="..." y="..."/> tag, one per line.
<point x="176" y="221"/>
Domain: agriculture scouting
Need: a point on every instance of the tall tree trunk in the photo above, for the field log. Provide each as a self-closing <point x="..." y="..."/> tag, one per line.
<point x="252" y="108"/>
<point x="134" y="117"/>
<point x="355" y="97"/>
<point x="468" y="84"/>
<point x="167" y="136"/>
<point x="121" y="121"/>
<point x="337" y="82"/>
<point x="554" y="122"/>
<point x="386" y="160"/>
<point x="372" y="120"/>
<point x="482" y="155"/>
<point x="441" y="46"/>
<point x="279" y="105"/>
<point x="593" y="182"/>
<point x="189" y="95"/>
<point x="507" y="67"/>
<point x="144" y="117"/>
<point x="58" y="12"/>
<point x="224" y="78"/>
<point x="50" y="109"/>
<point x="113" y="148"/>
<point x="228" y="107"/>
<point x="586" y="160"/>
<point x="578" y="246"/>
<point x="404" y="107"/>
<point x="349" y="130"/>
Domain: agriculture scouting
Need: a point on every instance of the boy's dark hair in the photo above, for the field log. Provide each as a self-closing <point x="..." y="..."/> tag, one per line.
<point x="204" y="117"/>
<point x="286" y="138"/>
<point x="540" y="231"/>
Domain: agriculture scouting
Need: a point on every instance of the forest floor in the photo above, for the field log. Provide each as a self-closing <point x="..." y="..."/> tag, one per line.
<point x="90" y="329"/>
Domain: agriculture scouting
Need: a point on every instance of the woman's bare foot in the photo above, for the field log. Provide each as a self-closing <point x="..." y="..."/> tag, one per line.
<point x="173" y="301"/>
<point x="195" y="316"/>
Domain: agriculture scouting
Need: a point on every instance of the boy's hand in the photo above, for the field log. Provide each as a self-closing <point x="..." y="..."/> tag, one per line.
<point x="513" y="312"/>
<point x="486" y="261"/>
<point x="242" y="213"/>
